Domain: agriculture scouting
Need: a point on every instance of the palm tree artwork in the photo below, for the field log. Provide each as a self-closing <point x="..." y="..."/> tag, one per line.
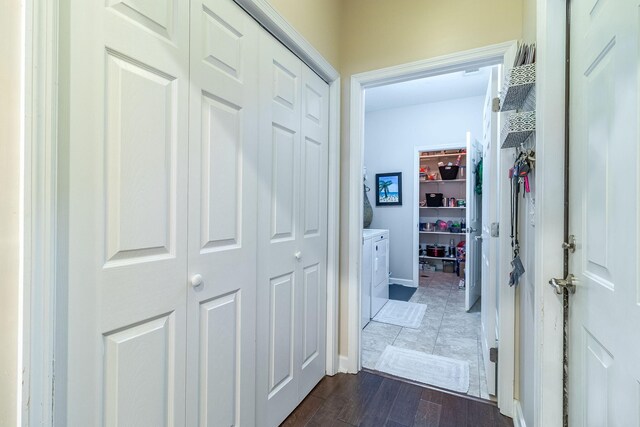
<point x="383" y="187"/>
<point x="389" y="187"/>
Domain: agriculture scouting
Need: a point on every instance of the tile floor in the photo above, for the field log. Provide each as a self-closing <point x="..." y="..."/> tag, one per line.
<point x="446" y="330"/>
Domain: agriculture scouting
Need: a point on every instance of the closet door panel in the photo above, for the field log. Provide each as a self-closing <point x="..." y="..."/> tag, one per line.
<point x="279" y="347"/>
<point x="127" y="212"/>
<point x="313" y="228"/>
<point x="223" y="159"/>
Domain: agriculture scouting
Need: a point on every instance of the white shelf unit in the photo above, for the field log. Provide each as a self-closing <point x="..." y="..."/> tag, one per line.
<point x="441" y="181"/>
<point x="442" y="155"/>
<point x="441" y="258"/>
<point x="442" y="207"/>
<point x="449" y="188"/>
<point x="442" y="233"/>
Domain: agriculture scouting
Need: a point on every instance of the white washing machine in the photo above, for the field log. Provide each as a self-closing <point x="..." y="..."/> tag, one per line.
<point x="375" y="272"/>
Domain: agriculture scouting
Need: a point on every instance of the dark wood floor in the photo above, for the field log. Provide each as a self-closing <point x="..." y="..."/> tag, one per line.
<point x="367" y="399"/>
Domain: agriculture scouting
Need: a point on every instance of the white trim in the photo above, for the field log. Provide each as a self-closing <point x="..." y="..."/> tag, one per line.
<point x="518" y="416"/>
<point x="40" y="204"/>
<point x="344" y="364"/>
<point x="41" y="198"/>
<point x="333" y="227"/>
<point x="403" y="282"/>
<point x="549" y="230"/>
<point x="489" y="55"/>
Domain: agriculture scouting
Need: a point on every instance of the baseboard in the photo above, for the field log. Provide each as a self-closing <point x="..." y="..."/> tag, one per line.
<point x="403" y="282"/>
<point x="343" y="364"/>
<point x="518" y="416"/>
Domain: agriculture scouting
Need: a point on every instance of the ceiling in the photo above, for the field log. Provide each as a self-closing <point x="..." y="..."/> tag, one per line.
<point x="439" y="88"/>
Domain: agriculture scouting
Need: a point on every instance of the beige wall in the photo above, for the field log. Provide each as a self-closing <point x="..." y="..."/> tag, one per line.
<point x="529" y="20"/>
<point x="382" y="33"/>
<point x="318" y="21"/>
<point x="9" y="207"/>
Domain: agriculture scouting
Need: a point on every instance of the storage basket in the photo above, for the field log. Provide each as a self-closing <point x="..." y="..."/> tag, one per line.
<point x="449" y="172"/>
<point x="435" y="251"/>
<point x="434" y="200"/>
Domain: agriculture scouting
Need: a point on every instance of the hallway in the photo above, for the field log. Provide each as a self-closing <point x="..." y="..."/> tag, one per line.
<point x="446" y="330"/>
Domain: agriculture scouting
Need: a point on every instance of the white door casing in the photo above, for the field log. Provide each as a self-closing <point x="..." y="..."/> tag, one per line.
<point x="604" y="339"/>
<point x="490" y="252"/>
<point x="223" y="145"/>
<point x="474" y="227"/>
<point x="128" y="134"/>
<point x="292" y="231"/>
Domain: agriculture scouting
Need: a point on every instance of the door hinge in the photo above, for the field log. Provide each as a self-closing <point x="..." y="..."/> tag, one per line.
<point x="570" y="245"/>
<point x="495" y="106"/>
<point x="560" y="284"/>
<point x="495" y="229"/>
<point x="493" y="354"/>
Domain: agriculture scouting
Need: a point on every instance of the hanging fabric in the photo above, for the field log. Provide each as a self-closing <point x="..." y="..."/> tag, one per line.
<point x="478" y="172"/>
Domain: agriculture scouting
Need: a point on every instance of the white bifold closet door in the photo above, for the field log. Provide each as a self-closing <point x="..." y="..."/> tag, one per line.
<point x="127" y="133"/>
<point x="223" y="157"/>
<point x="173" y="113"/>
<point x="292" y="231"/>
<point x="161" y="190"/>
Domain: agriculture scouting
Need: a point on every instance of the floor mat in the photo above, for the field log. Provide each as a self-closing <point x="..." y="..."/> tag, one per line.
<point x="401" y="313"/>
<point x="438" y="371"/>
<point x="400" y="292"/>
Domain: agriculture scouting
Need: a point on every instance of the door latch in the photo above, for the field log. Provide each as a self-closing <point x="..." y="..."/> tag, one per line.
<point x="570" y="245"/>
<point x="568" y="283"/>
<point x="493" y="354"/>
<point x="495" y="105"/>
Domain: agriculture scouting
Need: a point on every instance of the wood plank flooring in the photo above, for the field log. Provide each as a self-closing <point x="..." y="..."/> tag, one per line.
<point x="368" y="399"/>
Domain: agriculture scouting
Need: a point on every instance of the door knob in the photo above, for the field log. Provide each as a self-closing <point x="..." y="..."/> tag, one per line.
<point x="298" y="255"/>
<point x="478" y="238"/>
<point x="196" y="280"/>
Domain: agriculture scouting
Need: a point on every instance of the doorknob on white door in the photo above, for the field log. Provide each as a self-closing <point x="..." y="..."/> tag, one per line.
<point x="298" y="255"/>
<point x="196" y="280"/>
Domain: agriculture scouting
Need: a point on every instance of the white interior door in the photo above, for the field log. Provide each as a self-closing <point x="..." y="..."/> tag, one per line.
<point x="127" y="212"/>
<point x="292" y="231"/>
<point x="314" y="180"/>
<point x="489" y="246"/>
<point x="604" y="343"/>
<point x="223" y="145"/>
<point x="474" y="227"/>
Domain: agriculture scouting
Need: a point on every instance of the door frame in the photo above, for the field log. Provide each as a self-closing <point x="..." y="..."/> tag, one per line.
<point x="479" y="57"/>
<point x="43" y="288"/>
<point x="549" y="213"/>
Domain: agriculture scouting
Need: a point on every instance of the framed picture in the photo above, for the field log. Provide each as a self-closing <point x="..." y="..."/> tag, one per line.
<point x="389" y="189"/>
